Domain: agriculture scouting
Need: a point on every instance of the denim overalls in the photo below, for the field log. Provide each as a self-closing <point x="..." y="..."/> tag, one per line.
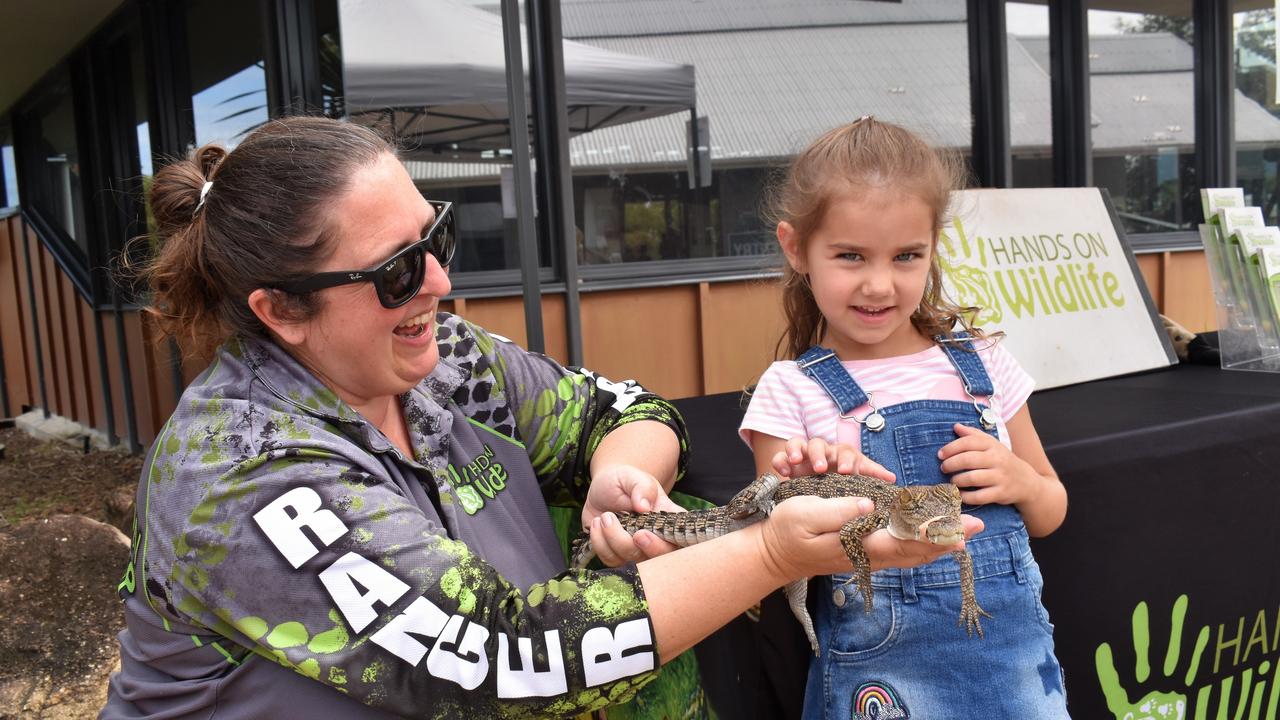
<point x="908" y="658"/>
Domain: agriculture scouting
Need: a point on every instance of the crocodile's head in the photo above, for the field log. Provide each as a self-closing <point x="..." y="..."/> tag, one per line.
<point x="927" y="512"/>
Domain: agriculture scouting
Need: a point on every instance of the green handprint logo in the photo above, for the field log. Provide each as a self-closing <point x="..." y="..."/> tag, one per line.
<point x="1156" y="704"/>
<point x="970" y="284"/>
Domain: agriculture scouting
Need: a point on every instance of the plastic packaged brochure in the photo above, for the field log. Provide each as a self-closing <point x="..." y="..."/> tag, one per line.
<point x="1243" y="255"/>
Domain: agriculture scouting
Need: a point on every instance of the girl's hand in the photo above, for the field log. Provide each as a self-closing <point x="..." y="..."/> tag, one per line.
<point x="617" y="488"/>
<point x="986" y="471"/>
<point x="816" y="456"/>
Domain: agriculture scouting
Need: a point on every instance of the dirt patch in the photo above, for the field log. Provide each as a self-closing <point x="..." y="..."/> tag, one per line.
<point x="59" y="566"/>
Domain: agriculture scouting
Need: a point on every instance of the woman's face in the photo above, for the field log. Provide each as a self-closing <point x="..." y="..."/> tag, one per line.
<point x="361" y="350"/>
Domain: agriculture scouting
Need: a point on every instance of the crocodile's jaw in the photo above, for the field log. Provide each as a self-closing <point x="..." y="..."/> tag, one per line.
<point x="939" y="531"/>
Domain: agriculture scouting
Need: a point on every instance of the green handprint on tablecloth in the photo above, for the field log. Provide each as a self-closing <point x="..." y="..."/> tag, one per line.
<point x="1169" y="703"/>
<point x="966" y="274"/>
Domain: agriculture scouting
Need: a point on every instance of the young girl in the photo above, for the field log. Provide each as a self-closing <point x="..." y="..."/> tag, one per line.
<point x="885" y="382"/>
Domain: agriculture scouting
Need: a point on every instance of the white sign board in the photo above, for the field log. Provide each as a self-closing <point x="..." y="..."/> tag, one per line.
<point x="1048" y="268"/>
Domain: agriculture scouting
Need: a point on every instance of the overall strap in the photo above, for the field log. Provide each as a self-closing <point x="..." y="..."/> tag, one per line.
<point x="960" y="351"/>
<point x="823" y="367"/>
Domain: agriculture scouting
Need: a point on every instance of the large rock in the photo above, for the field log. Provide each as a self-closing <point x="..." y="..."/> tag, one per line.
<point x="59" y="615"/>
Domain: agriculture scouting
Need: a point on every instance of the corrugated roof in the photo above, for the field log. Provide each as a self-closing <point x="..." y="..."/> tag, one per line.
<point x="768" y="92"/>
<point x="1125" y="53"/>
<point x="631" y="18"/>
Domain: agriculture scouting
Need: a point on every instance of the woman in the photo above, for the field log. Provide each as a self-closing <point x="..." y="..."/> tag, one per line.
<point x="347" y="513"/>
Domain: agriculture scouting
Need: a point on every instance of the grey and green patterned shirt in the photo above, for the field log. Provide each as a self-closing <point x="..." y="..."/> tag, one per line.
<point x="289" y="561"/>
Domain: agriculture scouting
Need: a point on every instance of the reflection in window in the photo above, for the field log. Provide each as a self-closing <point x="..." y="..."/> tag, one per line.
<point x="1143" y="135"/>
<point x="1030" y="104"/>
<point x="9" y="167"/>
<point x="52" y="160"/>
<point x="1257" y="127"/>
<point x="770" y="78"/>
<point x="228" y="81"/>
<point x="329" y="41"/>
<point x="485" y="217"/>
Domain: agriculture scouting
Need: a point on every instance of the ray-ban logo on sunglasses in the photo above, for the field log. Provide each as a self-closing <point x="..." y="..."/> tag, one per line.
<point x="355" y="276"/>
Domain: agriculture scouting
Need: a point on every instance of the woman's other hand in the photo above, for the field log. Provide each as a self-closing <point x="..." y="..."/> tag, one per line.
<point x="624" y="488"/>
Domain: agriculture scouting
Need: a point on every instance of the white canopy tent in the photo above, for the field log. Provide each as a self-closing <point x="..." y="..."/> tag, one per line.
<point x="433" y="73"/>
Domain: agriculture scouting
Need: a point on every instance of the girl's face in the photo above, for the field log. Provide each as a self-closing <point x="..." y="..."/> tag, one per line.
<point x="363" y="351"/>
<point x="868" y="262"/>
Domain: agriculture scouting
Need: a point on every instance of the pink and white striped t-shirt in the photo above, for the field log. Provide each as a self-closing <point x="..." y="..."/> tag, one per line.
<point x="787" y="403"/>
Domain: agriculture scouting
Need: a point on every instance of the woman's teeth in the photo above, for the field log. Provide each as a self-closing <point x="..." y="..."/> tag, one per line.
<point x="414" y="326"/>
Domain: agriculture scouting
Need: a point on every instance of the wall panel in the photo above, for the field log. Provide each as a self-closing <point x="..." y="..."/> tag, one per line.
<point x="77" y="340"/>
<point x="740" y="326"/>
<point x="143" y="373"/>
<point x="114" y="376"/>
<point x="13" y="324"/>
<point x="1150" y="265"/>
<point x="1188" y="293"/>
<point x="505" y="316"/>
<point x="97" y="399"/>
<point x="646" y="334"/>
<point x="40" y="297"/>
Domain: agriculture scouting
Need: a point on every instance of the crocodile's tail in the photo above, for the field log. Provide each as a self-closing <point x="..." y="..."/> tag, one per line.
<point x="681" y="529"/>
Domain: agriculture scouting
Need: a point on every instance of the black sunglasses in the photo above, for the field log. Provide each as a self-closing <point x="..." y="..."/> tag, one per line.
<point x="399" y="278"/>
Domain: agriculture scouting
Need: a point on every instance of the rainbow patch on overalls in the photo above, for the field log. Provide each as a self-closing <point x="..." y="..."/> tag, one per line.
<point x="877" y="701"/>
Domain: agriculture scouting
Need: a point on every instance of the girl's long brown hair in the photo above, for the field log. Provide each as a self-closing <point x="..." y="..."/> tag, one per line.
<point x="842" y="163"/>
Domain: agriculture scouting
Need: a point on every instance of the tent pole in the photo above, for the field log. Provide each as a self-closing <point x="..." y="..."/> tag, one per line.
<point x="555" y="178"/>
<point x="525" y="235"/>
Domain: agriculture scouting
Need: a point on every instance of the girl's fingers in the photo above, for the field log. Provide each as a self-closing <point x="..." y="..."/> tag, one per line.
<point x="818" y="449"/>
<point x="867" y="466"/>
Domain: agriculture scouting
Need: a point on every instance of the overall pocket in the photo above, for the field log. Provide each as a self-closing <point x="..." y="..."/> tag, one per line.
<point x="853" y="633"/>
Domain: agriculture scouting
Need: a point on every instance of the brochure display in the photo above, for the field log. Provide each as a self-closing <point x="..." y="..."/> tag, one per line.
<point x="1243" y="255"/>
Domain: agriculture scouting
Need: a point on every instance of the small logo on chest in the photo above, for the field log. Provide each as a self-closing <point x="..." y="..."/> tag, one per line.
<point x="484" y="477"/>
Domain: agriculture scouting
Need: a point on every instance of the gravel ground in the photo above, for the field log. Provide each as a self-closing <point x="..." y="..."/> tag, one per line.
<point x="59" y="566"/>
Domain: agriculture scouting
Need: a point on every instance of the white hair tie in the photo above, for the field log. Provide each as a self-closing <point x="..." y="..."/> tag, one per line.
<point x="204" y="191"/>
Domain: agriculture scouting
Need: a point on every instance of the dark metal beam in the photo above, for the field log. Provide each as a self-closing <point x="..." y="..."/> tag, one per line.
<point x="1214" y="90"/>
<point x="989" y="93"/>
<point x="1069" y="86"/>
<point x="293" y="57"/>
<point x="526" y="235"/>
<point x="551" y="148"/>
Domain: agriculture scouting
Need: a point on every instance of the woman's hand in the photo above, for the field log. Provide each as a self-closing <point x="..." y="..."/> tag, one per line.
<point x="815" y="456"/>
<point x="802" y="538"/>
<point x="617" y="488"/>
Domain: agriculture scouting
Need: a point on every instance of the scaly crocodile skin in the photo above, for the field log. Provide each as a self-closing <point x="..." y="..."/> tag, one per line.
<point x="918" y="512"/>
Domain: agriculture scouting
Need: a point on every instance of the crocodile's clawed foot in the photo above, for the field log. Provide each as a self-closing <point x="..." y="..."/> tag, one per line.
<point x="971" y="619"/>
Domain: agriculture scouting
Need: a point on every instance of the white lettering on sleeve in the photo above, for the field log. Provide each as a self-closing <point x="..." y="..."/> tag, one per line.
<point x="461" y="660"/>
<point x="609" y="656"/>
<point x="624" y="393"/>
<point x="340" y="579"/>
<point x="528" y="681"/>
<point x="285" y="532"/>
<point x="420" y="618"/>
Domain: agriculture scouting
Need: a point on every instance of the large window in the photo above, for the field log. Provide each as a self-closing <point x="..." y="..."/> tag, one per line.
<point x="228" y="81"/>
<point x="1030" y="105"/>
<point x="1257" y="113"/>
<point x="1141" y="97"/>
<point x="51" y="158"/>
<point x="770" y="78"/>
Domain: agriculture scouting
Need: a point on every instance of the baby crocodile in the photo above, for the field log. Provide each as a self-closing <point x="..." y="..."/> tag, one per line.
<point x="917" y="512"/>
